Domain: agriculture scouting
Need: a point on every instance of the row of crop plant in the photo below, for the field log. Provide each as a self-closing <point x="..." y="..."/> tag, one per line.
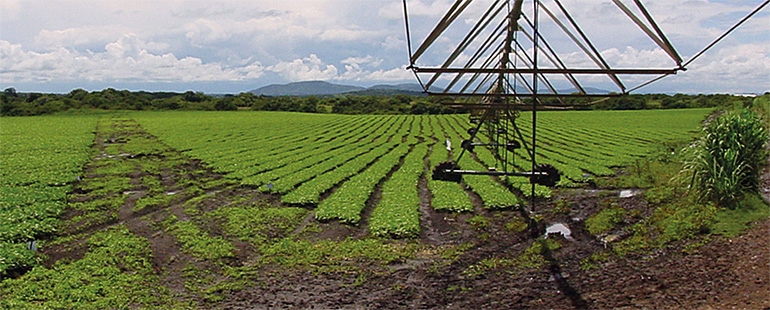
<point x="445" y="196"/>
<point x="351" y="154"/>
<point x="580" y="143"/>
<point x="39" y="159"/>
<point x="349" y="200"/>
<point x="493" y="193"/>
<point x="343" y="147"/>
<point x="310" y="191"/>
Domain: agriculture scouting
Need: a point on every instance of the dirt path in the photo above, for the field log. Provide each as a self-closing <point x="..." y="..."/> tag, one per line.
<point x="749" y="261"/>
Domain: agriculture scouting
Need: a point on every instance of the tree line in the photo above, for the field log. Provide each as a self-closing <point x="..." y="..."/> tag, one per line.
<point x="13" y="103"/>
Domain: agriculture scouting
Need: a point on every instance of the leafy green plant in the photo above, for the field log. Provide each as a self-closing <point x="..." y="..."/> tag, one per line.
<point x="199" y="243"/>
<point x="731" y="222"/>
<point x="335" y="256"/>
<point x="605" y="220"/>
<point x="398" y="212"/>
<point x="258" y="224"/>
<point x="115" y="273"/>
<point x="40" y="158"/>
<point x="531" y="258"/>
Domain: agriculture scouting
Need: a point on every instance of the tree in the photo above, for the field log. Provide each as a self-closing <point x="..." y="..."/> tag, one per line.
<point x="10" y="92"/>
<point x="191" y="96"/>
<point x="225" y="104"/>
<point x="78" y="94"/>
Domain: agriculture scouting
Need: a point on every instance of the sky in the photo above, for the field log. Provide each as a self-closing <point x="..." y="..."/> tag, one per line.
<point x="232" y="46"/>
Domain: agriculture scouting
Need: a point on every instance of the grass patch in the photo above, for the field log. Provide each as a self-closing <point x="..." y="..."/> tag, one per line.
<point x="479" y="221"/>
<point x="731" y="223"/>
<point x="606" y="220"/>
<point x="336" y="256"/>
<point x="532" y="258"/>
<point x="198" y="243"/>
<point x="209" y="285"/>
<point x="257" y="224"/>
<point x="724" y="164"/>
<point x="649" y="172"/>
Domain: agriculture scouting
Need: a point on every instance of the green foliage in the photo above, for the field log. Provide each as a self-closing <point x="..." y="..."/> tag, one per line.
<point x="479" y="221"/>
<point x="304" y="157"/>
<point x="336" y="256"/>
<point x="731" y="223"/>
<point x="445" y="196"/>
<point x="725" y="162"/>
<point x="349" y="200"/>
<point x="13" y="103"/>
<point x="40" y="157"/>
<point x="761" y="105"/>
<point x="606" y="219"/>
<point x="531" y="258"/>
<point x="398" y="212"/>
<point x="657" y="101"/>
<point x="683" y="219"/>
<point x="209" y="285"/>
<point x="258" y="224"/>
<point x="15" y="256"/>
<point x="115" y="273"/>
<point x="653" y="171"/>
<point x="517" y="224"/>
<point x="152" y="201"/>
<point x="197" y="242"/>
<point x="580" y="143"/>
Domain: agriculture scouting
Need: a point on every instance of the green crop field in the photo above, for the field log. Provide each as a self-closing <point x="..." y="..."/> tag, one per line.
<point x="304" y="156"/>
<point x="118" y="195"/>
<point x="39" y="158"/>
<point x="346" y="158"/>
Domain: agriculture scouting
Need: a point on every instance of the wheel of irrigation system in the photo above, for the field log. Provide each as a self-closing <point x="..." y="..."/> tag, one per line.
<point x="442" y="172"/>
<point x="551" y="177"/>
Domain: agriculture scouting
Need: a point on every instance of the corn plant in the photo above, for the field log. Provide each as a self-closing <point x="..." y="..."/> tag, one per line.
<point x="725" y="162"/>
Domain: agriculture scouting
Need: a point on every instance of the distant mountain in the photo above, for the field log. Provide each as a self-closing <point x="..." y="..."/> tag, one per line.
<point x="384" y="92"/>
<point x="309" y="88"/>
<point x="589" y="90"/>
<point x="321" y="88"/>
<point x="413" y="87"/>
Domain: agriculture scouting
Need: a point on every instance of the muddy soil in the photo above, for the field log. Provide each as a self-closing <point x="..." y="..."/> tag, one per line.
<point x="724" y="273"/>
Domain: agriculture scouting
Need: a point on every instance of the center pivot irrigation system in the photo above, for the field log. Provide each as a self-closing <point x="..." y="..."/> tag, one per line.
<point x="504" y="64"/>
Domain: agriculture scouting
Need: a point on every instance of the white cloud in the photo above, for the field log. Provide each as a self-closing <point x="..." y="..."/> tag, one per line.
<point x="78" y="37"/>
<point x="342" y="34"/>
<point x="394" y="42"/>
<point x="305" y="69"/>
<point x="631" y="57"/>
<point x="124" y="60"/>
<point x="9" y="9"/>
<point x="391" y="75"/>
<point x="357" y="61"/>
<point x="355" y="69"/>
<point x="418" y="8"/>
<point x="131" y="45"/>
<point x="744" y="67"/>
<point x="204" y="31"/>
<point x="269" y="41"/>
